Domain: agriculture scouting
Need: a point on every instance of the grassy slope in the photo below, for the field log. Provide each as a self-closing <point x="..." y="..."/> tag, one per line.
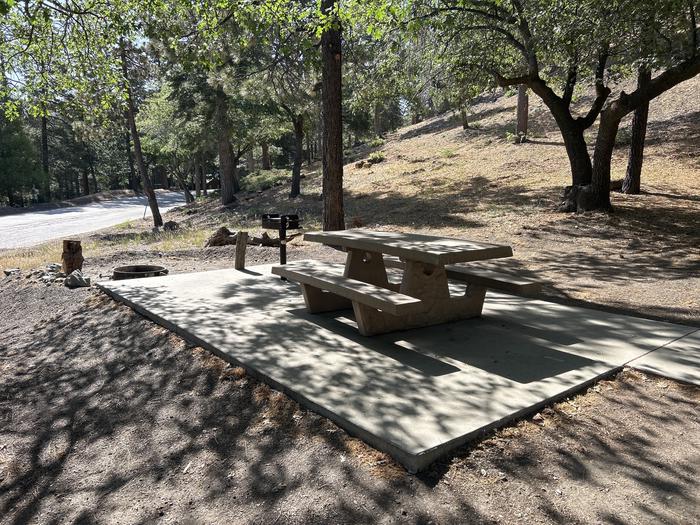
<point x="437" y="178"/>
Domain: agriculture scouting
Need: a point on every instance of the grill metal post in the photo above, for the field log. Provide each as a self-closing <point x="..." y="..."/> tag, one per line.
<point x="283" y="239"/>
<point x="281" y="223"/>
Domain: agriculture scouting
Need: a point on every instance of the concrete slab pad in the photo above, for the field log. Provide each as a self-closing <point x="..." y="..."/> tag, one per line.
<point x="415" y="394"/>
<point x="679" y="360"/>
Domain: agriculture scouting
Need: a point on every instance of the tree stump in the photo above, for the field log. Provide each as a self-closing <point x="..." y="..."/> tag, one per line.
<point x="241" y="243"/>
<point x="72" y="257"/>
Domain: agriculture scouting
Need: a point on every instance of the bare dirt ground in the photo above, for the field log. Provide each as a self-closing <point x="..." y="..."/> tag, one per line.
<point x="107" y="418"/>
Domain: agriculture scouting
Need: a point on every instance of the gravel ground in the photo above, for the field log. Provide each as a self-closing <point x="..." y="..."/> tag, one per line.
<point x="107" y="418"/>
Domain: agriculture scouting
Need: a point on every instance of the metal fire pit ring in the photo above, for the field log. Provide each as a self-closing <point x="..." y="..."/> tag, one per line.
<point x="137" y="271"/>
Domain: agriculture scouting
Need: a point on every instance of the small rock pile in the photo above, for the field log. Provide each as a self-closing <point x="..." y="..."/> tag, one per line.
<point x="48" y="276"/>
<point x="53" y="274"/>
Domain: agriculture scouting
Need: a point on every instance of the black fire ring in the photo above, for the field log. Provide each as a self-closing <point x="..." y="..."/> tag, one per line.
<point x="137" y="271"/>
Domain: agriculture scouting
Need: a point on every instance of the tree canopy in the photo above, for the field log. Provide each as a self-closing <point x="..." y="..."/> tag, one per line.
<point x="204" y="83"/>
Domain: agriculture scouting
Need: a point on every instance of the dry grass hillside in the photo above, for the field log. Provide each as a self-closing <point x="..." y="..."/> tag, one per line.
<point x="438" y="178"/>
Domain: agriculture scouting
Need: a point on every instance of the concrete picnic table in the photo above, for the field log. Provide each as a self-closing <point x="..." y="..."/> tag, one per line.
<point x="422" y="298"/>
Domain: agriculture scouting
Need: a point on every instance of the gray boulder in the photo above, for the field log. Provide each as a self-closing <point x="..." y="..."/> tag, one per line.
<point x="76" y="280"/>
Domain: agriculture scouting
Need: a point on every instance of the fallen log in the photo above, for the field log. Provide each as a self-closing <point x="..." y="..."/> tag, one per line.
<point x="221" y="237"/>
<point x="225" y="237"/>
<point x="266" y="240"/>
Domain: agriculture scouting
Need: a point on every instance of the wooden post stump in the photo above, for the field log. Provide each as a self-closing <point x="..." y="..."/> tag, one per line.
<point x="241" y="243"/>
<point x="72" y="257"/>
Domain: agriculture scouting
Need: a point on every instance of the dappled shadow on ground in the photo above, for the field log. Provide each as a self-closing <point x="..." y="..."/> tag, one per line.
<point x="659" y="242"/>
<point x="674" y="196"/>
<point x="589" y="450"/>
<point x="681" y="134"/>
<point x="435" y="125"/>
<point x="447" y="203"/>
<point x="107" y="417"/>
<point x="540" y="125"/>
<point x="117" y="417"/>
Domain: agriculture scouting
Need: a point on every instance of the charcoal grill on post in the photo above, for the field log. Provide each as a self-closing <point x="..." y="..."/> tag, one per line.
<point x="281" y="223"/>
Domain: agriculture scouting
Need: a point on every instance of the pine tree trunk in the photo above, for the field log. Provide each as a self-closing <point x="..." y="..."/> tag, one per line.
<point x="633" y="177"/>
<point x="377" y="119"/>
<point x="93" y="175"/>
<point x="133" y="181"/>
<point x="183" y="182"/>
<point x="198" y="177"/>
<point x="250" y="161"/>
<point x="265" y="161"/>
<point x="45" y="157"/>
<point x="227" y="168"/>
<point x="464" y="118"/>
<point x="522" y="114"/>
<point x="333" y="213"/>
<point x="203" y="178"/>
<point x="138" y="154"/>
<point x="227" y="172"/>
<point x="309" y="158"/>
<point x="86" y="182"/>
<point x="61" y="187"/>
<point x="298" y="125"/>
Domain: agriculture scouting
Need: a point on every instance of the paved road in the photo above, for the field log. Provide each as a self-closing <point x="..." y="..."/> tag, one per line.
<point x="27" y="229"/>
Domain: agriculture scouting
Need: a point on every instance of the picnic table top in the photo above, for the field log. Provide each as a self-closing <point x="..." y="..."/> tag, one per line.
<point x="410" y="246"/>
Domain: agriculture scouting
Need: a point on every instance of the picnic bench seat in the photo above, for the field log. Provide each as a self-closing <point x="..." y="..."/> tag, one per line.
<point x="330" y="277"/>
<point x="500" y="275"/>
<point x="421" y="297"/>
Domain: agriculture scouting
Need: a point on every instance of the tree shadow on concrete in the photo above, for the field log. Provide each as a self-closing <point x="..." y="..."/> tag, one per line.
<point x="109" y="417"/>
<point x="598" y="450"/>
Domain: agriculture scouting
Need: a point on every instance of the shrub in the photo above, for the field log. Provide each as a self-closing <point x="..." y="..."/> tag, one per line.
<point x="448" y="153"/>
<point x="264" y="179"/>
<point x="376" y="157"/>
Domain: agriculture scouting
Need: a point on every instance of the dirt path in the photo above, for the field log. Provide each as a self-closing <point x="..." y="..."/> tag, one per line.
<point x="108" y="418"/>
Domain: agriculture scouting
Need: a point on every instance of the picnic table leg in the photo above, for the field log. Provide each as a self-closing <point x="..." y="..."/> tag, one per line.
<point x="429" y="283"/>
<point x="318" y="301"/>
<point x="367" y="267"/>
